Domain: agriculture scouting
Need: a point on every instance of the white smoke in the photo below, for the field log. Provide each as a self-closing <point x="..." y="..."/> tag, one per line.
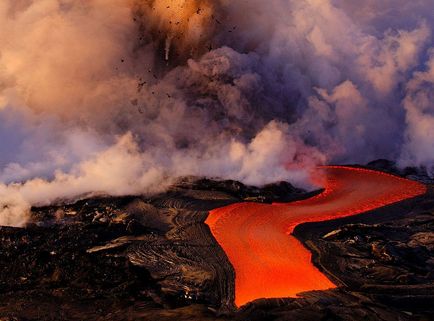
<point x="419" y="105"/>
<point x="90" y="105"/>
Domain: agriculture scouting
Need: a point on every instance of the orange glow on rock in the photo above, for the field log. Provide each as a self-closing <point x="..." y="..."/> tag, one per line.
<point x="269" y="262"/>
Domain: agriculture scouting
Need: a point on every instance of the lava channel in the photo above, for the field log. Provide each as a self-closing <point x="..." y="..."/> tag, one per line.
<point x="269" y="262"/>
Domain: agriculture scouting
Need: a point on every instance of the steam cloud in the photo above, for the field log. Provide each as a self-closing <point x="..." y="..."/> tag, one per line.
<point x="122" y="96"/>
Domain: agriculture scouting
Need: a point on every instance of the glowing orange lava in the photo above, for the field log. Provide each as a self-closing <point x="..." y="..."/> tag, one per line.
<point x="269" y="262"/>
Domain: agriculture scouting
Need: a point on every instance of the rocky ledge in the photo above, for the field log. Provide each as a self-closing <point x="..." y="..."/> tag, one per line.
<point x="152" y="258"/>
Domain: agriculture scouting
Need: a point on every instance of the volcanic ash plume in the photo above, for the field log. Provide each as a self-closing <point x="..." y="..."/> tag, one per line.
<point x="183" y="26"/>
<point x="123" y="96"/>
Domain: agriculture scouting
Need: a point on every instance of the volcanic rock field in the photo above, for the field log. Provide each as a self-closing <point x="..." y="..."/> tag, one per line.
<point x="154" y="258"/>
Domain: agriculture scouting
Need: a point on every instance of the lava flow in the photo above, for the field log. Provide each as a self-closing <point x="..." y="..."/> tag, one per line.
<point x="269" y="262"/>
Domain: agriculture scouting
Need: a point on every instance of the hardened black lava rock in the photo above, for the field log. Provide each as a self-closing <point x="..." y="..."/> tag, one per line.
<point x="153" y="258"/>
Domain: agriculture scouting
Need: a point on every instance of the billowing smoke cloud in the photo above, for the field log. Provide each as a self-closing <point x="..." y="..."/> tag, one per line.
<point x="122" y="96"/>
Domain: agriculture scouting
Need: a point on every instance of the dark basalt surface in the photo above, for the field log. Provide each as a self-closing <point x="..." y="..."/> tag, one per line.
<point x="139" y="258"/>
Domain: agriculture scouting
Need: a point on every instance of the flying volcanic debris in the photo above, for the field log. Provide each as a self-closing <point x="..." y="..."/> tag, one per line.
<point x="123" y="96"/>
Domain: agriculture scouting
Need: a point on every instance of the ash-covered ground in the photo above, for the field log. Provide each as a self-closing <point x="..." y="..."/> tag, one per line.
<point x="153" y="258"/>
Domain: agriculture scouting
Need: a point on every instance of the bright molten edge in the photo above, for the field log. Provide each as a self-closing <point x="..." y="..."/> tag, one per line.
<point x="269" y="261"/>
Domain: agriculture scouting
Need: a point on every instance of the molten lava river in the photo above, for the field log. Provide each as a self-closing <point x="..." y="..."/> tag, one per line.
<point x="269" y="262"/>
